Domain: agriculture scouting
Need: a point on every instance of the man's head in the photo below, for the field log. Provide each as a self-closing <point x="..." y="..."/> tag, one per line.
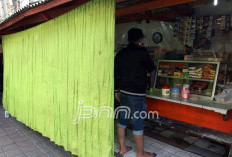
<point x="135" y="34"/>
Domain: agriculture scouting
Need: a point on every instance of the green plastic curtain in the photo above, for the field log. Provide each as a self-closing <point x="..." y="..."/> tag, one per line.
<point x="50" y="68"/>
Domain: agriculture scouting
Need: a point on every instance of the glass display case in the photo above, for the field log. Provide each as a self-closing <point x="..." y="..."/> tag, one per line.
<point x="199" y="76"/>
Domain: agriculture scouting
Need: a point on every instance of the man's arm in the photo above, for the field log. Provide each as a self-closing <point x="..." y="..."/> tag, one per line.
<point x="149" y="63"/>
<point x="150" y="66"/>
<point x="116" y="74"/>
<point x="116" y="78"/>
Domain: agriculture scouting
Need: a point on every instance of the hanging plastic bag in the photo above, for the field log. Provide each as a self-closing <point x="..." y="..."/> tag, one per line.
<point x="226" y="96"/>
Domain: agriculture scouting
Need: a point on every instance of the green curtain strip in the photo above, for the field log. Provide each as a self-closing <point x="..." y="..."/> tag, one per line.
<point x="49" y="68"/>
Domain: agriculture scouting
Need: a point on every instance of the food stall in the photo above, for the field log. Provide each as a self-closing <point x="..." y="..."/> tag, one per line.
<point x="192" y="52"/>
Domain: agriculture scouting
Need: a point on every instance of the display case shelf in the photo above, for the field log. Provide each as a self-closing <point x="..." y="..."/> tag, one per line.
<point x="195" y="79"/>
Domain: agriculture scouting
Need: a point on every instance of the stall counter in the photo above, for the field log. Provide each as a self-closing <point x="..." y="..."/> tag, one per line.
<point x="201" y="112"/>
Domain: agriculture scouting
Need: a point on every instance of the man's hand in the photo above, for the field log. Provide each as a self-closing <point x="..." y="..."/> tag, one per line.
<point x="117" y="96"/>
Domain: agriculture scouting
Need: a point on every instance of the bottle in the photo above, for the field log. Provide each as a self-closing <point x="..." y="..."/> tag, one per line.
<point x="185" y="93"/>
<point x="7" y="115"/>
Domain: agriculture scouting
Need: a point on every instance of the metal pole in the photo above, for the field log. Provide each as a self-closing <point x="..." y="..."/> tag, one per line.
<point x="5" y="9"/>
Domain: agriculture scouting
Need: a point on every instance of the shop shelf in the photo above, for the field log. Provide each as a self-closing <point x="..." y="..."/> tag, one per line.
<point x="171" y="65"/>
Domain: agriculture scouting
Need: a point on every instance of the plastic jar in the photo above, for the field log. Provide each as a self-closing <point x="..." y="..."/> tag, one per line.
<point x="175" y="92"/>
<point x="166" y="90"/>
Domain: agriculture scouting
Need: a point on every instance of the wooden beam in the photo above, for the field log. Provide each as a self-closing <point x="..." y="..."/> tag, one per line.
<point x="45" y="17"/>
<point x="24" y="22"/>
<point x="120" y="21"/>
<point x="173" y="14"/>
<point x="155" y="4"/>
<point x="7" y="32"/>
<point x="164" y="19"/>
<point x="154" y="18"/>
<point x="136" y="16"/>
<point x="160" y="16"/>
<point x="119" y="1"/>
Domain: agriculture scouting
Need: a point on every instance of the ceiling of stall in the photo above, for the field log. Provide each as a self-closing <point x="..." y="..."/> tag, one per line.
<point x="126" y="11"/>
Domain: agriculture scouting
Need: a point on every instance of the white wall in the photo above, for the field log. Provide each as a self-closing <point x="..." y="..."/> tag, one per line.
<point x="169" y="41"/>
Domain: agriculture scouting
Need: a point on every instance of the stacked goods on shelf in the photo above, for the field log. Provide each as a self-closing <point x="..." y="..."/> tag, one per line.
<point x="208" y="72"/>
<point x="199" y="85"/>
<point x="164" y="66"/>
<point x="195" y="73"/>
<point x="185" y="73"/>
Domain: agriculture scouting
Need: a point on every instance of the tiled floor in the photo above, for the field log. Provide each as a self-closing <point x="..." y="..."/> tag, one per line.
<point x="199" y="144"/>
<point x="17" y="140"/>
<point x="152" y="145"/>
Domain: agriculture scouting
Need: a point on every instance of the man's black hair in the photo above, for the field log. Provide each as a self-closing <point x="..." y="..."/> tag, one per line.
<point x="134" y="34"/>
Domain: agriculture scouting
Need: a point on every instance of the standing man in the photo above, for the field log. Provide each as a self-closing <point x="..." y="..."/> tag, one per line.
<point x="130" y="74"/>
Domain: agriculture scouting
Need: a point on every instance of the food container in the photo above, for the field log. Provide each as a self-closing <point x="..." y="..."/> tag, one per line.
<point x="179" y="86"/>
<point x="192" y="68"/>
<point x="186" y="75"/>
<point x="219" y="90"/>
<point x="166" y="90"/>
<point x="177" y="74"/>
<point x="170" y="73"/>
<point x="185" y="93"/>
<point x="185" y="70"/>
<point x="175" y="92"/>
<point x="200" y="85"/>
<point x="185" y="86"/>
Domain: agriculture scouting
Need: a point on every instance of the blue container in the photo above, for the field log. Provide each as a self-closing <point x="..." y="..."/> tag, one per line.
<point x="175" y="91"/>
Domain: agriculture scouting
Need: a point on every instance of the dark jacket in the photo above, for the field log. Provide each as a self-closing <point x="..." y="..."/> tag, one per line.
<point x="131" y="67"/>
